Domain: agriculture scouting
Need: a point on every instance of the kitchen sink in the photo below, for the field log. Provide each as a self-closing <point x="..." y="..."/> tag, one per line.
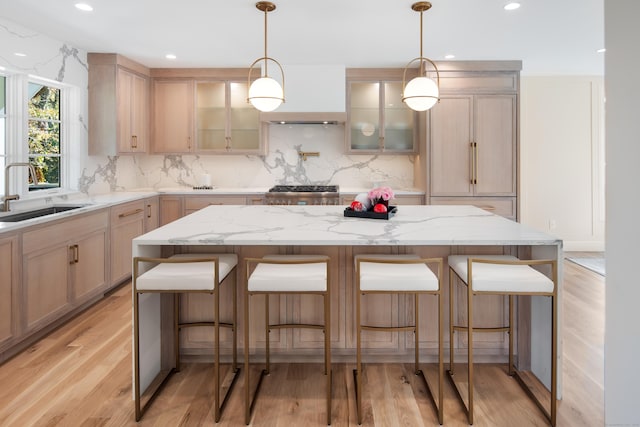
<point x="49" y="210"/>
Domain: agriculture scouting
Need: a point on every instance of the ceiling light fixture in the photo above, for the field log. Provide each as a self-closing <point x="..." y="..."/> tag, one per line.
<point x="20" y="54"/>
<point x="84" y="7"/>
<point x="170" y="56"/>
<point x="603" y="50"/>
<point x="265" y="93"/>
<point x="449" y="56"/>
<point x="422" y="92"/>
<point x="512" y="5"/>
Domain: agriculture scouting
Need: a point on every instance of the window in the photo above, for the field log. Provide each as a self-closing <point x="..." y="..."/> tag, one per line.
<point x="44" y="127"/>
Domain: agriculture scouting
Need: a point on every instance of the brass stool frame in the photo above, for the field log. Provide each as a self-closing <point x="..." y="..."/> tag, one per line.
<point x="551" y="417"/>
<point x="250" y="400"/>
<point x="357" y="373"/>
<point x="139" y="410"/>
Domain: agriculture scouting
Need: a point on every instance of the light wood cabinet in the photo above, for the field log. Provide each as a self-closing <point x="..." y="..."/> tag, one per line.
<point x="195" y="203"/>
<point x="127" y="223"/>
<point x="225" y="122"/>
<point x="473" y="146"/>
<point x="171" y="208"/>
<point x="503" y="206"/>
<point x="173" y="104"/>
<point x="9" y="306"/>
<point x="64" y="264"/>
<point x="151" y="213"/>
<point x="377" y="119"/>
<point x="118" y="105"/>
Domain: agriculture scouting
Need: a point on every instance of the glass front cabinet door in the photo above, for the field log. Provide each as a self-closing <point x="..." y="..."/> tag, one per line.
<point x="379" y="122"/>
<point x="225" y="122"/>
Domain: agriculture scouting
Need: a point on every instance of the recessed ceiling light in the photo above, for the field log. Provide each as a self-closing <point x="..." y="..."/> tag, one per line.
<point x="2" y="68"/>
<point x="84" y="7"/>
<point x="603" y="50"/>
<point x="170" y="56"/>
<point x="449" y="56"/>
<point x="20" y="54"/>
<point x="512" y="5"/>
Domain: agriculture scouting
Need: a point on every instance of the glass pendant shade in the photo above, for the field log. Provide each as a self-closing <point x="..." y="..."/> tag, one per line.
<point x="266" y="94"/>
<point x="421" y="93"/>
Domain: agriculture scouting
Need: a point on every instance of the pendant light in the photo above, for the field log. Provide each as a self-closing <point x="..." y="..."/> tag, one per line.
<point x="265" y="93"/>
<point x="422" y="92"/>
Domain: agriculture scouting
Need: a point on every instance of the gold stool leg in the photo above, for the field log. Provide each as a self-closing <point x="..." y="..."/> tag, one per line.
<point x="358" y="358"/>
<point x="247" y="395"/>
<point x="451" y="303"/>
<point x="416" y="332"/>
<point x="470" y="349"/>
<point x="327" y="350"/>
<point x="216" y="328"/>
<point x="267" y="331"/>
<point x="440" y="361"/>
<point x="511" y="368"/>
<point x="136" y="350"/>
<point x="176" y="330"/>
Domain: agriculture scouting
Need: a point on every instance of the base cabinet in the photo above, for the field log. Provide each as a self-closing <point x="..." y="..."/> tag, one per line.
<point x="127" y="223"/>
<point x="64" y="265"/>
<point x="9" y="307"/>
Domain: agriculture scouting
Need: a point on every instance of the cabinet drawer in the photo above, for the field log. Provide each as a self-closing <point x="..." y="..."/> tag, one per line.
<point x="61" y="232"/>
<point x="199" y="202"/>
<point x="127" y="212"/>
<point x="503" y="206"/>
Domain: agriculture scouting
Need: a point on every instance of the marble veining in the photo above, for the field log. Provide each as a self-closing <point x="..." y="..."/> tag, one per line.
<point x="326" y="225"/>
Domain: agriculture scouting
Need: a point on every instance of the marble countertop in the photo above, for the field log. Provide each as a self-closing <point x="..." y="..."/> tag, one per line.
<point x="327" y="225"/>
<point x="88" y="203"/>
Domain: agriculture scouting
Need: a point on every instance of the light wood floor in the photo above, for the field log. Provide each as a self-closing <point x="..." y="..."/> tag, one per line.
<point x="80" y="375"/>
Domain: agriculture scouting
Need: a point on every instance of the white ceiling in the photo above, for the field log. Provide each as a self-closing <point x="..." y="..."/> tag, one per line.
<point x="549" y="36"/>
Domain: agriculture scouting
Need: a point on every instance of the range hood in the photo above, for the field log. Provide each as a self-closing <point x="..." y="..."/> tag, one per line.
<point x="314" y="94"/>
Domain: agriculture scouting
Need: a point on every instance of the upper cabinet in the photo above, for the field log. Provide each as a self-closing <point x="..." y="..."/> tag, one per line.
<point x="225" y="121"/>
<point x="378" y="120"/>
<point x="173" y="102"/>
<point x="204" y="111"/>
<point x="118" y="105"/>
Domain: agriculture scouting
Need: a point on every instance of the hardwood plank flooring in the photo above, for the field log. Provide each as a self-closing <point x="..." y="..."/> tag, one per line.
<point x="80" y="375"/>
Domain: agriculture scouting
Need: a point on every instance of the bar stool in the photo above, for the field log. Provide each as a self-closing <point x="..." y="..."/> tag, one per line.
<point x="509" y="276"/>
<point x="287" y="274"/>
<point x="186" y="273"/>
<point x="399" y="274"/>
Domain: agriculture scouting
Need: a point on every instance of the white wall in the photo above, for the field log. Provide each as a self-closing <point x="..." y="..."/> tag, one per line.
<point x="561" y="158"/>
<point x="622" y="324"/>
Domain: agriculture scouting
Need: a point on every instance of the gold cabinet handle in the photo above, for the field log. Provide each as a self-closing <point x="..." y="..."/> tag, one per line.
<point x="134" y="142"/>
<point x="75" y="254"/>
<point x="488" y="207"/>
<point x="126" y="214"/>
<point x="475" y="162"/>
<point x="471" y="163"/>
<point x="189" y="142"/>
<point x="228" y="142"/>
<point x="149" y="214"/>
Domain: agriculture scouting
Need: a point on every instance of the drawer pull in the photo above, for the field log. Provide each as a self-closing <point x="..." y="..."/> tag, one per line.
<point x="126" y="214"/>
<point x="149" y="214"/>
<point x="75" y="251"/>
<point x="488" y="207"/>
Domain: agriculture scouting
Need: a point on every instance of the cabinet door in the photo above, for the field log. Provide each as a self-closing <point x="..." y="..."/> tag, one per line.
<point x="495" y="150"/>
<point x="173" y="116"/>
<point x="244" y="121"/>
<point x="46" y="278"/>
<point x="8" y="288"/>
<point x="140" y="113"/>
<point x="451" y="153"/>
<point x="364" y="116"/>
<point x="171" y="208"/>
<point x="88" y="265"/>
<point x="151" y="214"/>
<point x="127" y="223"/>
<point x="211" y="116"/>
<point x="398" y="132"/>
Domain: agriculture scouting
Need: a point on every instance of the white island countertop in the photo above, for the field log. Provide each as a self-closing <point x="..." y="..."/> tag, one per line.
<point x="327" y="225"/>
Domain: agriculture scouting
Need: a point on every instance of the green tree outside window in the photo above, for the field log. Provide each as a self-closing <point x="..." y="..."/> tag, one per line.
<point x="44" y="135"/>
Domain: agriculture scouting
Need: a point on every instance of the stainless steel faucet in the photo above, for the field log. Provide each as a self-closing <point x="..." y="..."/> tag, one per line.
<point x="8" y="197"/>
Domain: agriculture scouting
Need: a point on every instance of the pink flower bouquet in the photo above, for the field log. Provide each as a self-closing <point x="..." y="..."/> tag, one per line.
<point x="381" y="194"/>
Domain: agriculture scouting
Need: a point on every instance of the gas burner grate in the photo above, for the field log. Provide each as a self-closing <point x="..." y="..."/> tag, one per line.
<point x="304" y="189"/>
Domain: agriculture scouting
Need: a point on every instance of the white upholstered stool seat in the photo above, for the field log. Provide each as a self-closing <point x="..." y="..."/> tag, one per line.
<point x="502" y="275"/>
<point x="388" y="273"/>
<point x="281" y="275"/>
<point x="191" y="276"/>
<point x="186" y="273"/>
<point x="399" y="274"/>
<point x="288" y="277"/>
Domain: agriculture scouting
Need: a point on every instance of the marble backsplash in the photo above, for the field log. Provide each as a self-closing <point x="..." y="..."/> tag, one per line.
<point x="281" y="165"/>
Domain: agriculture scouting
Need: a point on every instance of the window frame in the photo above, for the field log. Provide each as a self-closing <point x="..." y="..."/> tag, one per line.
<point x="17" y="134"/>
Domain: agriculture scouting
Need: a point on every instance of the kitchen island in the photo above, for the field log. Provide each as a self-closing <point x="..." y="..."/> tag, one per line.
<point x="429" y="231"/>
